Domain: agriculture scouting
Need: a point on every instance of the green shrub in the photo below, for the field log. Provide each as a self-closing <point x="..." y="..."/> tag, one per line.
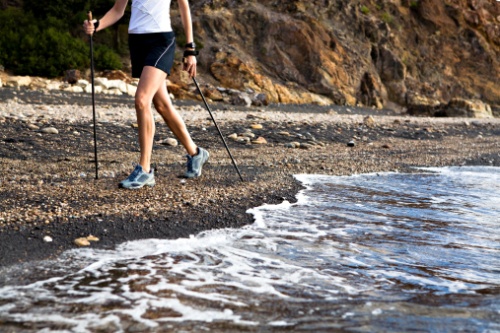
<point x="106" y="58"/>
<point x="365" y="10"/>
<point x="45" y="47"/>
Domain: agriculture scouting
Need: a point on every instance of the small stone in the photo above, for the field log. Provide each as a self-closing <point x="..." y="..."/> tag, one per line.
<point x="369" y="121"/>
<point x="92" y="238"/>
<point x="82" y="241"/>
<point x="292" y="145"/>
<point x="33" y="127"/>
<point x="259" y="141"/>
<point x="170" y="142"/>
<point x="134" y="125"/>
<point x="284" y="133"/>
<point x="50" y="130"/>
<point x="47" y="239"/>
<point x="233" y="136"/>
<point x="351" y="144"/>
<point x="243" y="139"/>
<point x="248" y="135"/>
<point x="305" y="146"/>
<point x="386" y="146"/>
<point x="256" y="126"/>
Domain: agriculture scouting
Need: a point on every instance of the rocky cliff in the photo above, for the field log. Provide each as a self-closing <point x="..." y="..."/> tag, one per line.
<point x="372" y="53"/>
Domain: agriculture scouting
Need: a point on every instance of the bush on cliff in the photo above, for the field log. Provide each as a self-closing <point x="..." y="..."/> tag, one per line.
<point x="44" y="47"/>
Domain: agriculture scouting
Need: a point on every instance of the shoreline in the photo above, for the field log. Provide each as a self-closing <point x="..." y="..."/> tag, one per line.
<point x="47" y="186"/>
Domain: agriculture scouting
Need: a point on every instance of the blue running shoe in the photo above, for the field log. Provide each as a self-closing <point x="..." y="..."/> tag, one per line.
<point x="138" y="178"/>
<point x="195" y="163"/>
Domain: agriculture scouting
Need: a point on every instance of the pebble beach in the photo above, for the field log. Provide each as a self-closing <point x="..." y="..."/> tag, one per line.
<point x="49" y="196"/>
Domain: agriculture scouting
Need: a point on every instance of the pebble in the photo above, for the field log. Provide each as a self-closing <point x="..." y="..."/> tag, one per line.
<point x="369" y="121"/>
<point x="82" y="241"/>
<point x="47" y="239"/>
<point x="259" y="141"/>
<point x="50" y="130"/>
<point x="256" y="126"/>
<point x="248" y="135"/>
<point x="351" y="144"/>
<point x="170" y="142"/>
<point x="243" y="139"/>
<point x="233" y="136"/>
<point x="92" y="238"/>
<point x="292" y="145"/>
<point x="33" y="127"/>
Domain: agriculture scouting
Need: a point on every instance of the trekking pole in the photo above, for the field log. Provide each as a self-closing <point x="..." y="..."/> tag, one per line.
<point x="216" y="126"/>
<point x="93" y="96"/>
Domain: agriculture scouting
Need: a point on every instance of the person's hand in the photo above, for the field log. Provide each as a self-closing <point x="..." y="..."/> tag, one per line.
<point x="190" y="65"/>
<point x="88" y="27"/>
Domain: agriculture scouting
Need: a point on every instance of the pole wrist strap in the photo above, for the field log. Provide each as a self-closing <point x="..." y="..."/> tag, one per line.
<point x="191" y="53"/>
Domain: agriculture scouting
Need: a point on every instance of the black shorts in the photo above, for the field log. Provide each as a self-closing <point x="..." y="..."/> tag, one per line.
<point x="154" y="49"/>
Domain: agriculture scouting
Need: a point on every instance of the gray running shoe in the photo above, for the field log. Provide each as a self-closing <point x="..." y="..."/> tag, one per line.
<point x="138" y="178"/>
<point x="195" y="163"/>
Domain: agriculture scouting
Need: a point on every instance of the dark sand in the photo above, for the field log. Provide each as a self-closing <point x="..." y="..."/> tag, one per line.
<point x="47" y="185"/>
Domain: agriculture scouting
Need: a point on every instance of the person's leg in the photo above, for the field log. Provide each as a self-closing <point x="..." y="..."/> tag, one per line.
<point x="150" y="82"/>
<point x="197" y="156"/>
<point x="165" y="108"/>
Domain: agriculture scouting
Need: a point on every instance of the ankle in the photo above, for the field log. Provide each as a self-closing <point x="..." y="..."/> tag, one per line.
<point x="194" y="152"/>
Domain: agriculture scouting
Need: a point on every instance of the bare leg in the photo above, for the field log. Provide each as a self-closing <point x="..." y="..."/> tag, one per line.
<point x="149" y="83"/>
<point x="163" y="105"/>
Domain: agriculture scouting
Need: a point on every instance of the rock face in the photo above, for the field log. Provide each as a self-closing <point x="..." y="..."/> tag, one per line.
<point x="352" y="52"/>
<point x="417" y="55"/>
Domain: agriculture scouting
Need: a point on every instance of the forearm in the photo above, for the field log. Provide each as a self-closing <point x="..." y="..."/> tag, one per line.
<point x="113" y="15"/>
<point x="186" y="20"/>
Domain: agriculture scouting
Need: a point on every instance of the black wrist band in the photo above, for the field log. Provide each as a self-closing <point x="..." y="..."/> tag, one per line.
<point x="191" y="53"/>
<point x="191" y="45"/>
<point x="96" y="25"/>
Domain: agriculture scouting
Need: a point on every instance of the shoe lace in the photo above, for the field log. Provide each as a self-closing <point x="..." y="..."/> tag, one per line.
<point x="134" y="174"/>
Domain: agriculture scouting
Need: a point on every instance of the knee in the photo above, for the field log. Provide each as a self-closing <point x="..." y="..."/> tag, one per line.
<point x="142" y="103"/>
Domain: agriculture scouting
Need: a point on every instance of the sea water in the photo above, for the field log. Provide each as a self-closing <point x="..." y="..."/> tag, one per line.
<point x="384" y="252"/>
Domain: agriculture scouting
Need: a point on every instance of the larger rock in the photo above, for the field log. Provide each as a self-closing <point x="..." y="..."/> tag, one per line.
<point x="18" y="81"/>
<point x="241" y="99"/>
<point x="72" y="76"/>
<point x="459" y="107"/>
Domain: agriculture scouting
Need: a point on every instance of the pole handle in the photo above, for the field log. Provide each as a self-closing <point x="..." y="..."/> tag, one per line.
<point x="89" y="15"/>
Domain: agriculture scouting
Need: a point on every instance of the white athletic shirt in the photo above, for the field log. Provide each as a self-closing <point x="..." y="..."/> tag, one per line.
<point x="150" y="16"/>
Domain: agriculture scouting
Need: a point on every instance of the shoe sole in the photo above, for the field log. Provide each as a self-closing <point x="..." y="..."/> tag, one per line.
<point x="137" y="187"/>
